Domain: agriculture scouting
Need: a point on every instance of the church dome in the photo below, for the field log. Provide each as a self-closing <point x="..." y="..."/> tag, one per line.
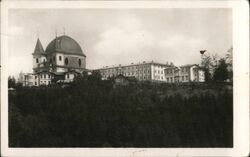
<point x="64" y="44"/>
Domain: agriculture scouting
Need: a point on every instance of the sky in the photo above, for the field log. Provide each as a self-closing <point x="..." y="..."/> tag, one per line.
<point x="121" y="36"/>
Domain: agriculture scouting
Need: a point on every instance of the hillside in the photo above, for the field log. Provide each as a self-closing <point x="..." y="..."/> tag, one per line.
<point x="92" y="113"/>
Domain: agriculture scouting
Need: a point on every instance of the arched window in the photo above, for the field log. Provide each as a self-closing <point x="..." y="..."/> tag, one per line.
<point x="79" y="62"/>
<point x="66" y="61"/>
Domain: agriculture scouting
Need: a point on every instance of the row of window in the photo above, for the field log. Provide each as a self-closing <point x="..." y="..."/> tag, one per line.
<point x="184" y="69"/>
<point x="66" y="61"/>
<point x="183" y="78"/>
<point x="132" y="73"/>
<point x="137" y="67"/>
<point x="125" y="74"/>
<point x="45" y="76"/>
<point x="158" y="77"/>
<point x="37" y="60"/>
<point x="125" y="70"/>
<point x="169" y="71"/>
<point x="43" y="82"/>
<point x="158" y="71"/>
<point x="67" y="76"/>
<point x="170" y="79"/>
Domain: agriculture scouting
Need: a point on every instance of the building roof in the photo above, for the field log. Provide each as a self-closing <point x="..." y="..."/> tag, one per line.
<point x="39" y="48"/>
<point x="64" y="44"/>
<point x="189" y="65"/>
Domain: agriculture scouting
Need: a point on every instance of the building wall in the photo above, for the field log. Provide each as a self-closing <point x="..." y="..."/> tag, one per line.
<point x="38" y="61"/>
<point x="45" y="78"/>
<point x="69" y="77"/>
<point x="75" y="61"/>
<point x="30" y="80"/>
<point x="158" y="72"/>
<point x="59" y="59"/>
<point x="170" y="74"/>
<point x="142" y="71"/>
<point x="192" y="74"/>
<point x="201" y="74"/>
<point x="184" y="74"/>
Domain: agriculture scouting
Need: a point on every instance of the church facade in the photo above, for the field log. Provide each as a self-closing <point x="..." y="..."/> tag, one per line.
<point x="61" y="61"/>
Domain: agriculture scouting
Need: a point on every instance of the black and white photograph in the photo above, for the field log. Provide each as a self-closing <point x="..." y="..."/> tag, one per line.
<point x="116" y="77"/>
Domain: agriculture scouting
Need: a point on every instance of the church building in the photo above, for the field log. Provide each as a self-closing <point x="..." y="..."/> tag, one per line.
<point x="62" y="60"/>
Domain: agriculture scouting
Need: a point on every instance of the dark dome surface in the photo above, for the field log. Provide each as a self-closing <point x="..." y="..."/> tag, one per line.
<point x="64" y="44"/>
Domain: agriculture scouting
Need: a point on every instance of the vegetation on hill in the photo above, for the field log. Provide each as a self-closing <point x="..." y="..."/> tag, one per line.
<point x="92" y="113"/>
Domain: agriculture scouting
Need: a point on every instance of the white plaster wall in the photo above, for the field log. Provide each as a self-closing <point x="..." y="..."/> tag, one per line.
<point x="45" y="80"/>
<point x="192" y="77"/>
<point x="60" y="69"/>
<point x="201" y="74"/>
<point x="71" y="76"/>
<point x="58" y="62"/>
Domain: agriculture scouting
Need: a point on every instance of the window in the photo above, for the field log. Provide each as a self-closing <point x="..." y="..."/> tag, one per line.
<point x="35" y="83"/>
<point x="67" y="75"/>
<point x="49" y="76"/>
<point x="44" y="75"/>
<point x="49" y="82"/>
<point x="182" y="78"/>
<point x="37" y="60"/>
<point x="54" y="58"/>
<point x="167" y="79"/>
<point x="79" y="62"/>
<point x="66" y="61"/>
<point x="41" y="76"/>
<point x="186" y="77"/>
<point x="60" y="58"/>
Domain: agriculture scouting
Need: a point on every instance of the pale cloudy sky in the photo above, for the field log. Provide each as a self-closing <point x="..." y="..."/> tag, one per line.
<point x="121" y="36"/>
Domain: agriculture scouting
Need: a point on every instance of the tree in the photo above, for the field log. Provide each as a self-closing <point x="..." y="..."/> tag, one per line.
<point x="221" y="72"/>
<point x="11" y="82"/>
<point x="229" y="61"/>
<point x="209" y="63"/>
<point x="96" y="76"/>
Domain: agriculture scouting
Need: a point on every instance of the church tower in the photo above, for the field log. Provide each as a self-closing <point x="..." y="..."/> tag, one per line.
<point x="39" y="57"/>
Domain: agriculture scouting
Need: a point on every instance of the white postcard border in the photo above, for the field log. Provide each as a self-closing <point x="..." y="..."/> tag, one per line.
<point x="241" y="80"/>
